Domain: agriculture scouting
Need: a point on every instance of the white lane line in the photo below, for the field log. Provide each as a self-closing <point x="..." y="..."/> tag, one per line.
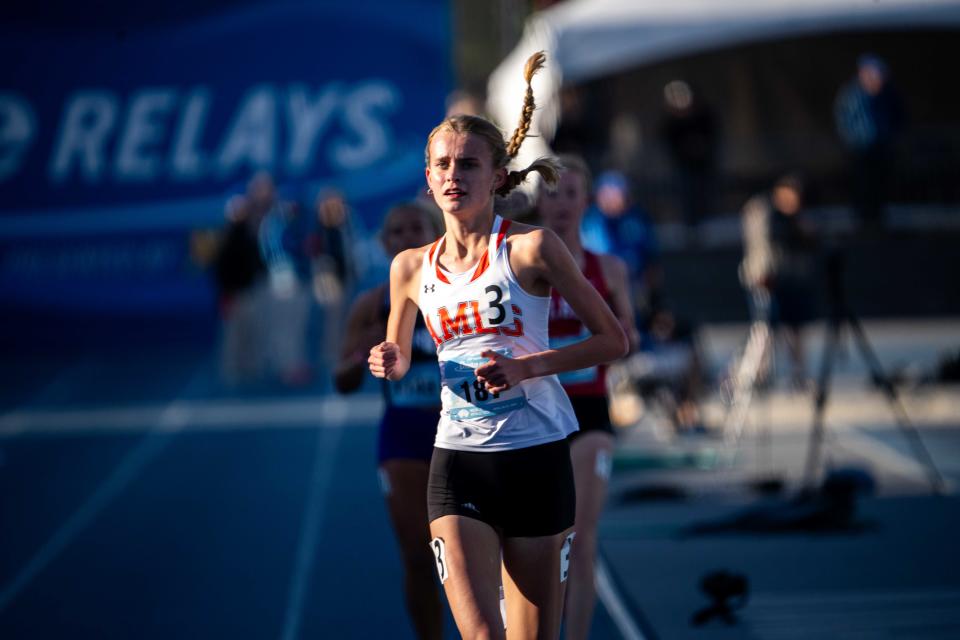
<point x="171" y="420"/>
<point x="614" y="603"/>
<point x="205" y="415"/>
<point x="323" y="463"/>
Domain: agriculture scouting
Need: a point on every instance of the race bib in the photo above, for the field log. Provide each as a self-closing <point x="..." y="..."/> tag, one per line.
<point x="468" y="398"/>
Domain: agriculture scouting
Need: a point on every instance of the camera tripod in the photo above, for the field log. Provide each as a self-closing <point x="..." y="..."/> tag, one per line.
<point x="842" y="317"/>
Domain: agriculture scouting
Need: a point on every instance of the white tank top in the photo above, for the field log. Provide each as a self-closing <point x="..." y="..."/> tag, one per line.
<point x="486" y="308"/>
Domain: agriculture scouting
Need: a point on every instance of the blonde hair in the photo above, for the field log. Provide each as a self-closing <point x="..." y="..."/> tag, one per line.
<point x="503" y="151"/>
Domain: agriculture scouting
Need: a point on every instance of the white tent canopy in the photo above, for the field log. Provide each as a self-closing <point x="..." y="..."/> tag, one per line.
<point x="586" y="39"/>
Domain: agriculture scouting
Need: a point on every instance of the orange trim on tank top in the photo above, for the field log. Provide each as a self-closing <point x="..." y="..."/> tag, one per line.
<point x="485" y="260"/>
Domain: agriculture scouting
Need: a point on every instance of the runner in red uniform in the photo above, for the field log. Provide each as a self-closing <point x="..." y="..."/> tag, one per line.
<point x="591" y="448"/>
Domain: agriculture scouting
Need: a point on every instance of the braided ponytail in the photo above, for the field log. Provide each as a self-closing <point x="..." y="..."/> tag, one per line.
<point x="534" y="64"/>
<point x="548" y="168"/>
<point x="503" y="152"/>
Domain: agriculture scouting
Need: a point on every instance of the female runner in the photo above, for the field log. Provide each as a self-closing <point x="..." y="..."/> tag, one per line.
<point x="591" y="448"/>
<point x="500" y="477"/>
<point x="409" y="424"/>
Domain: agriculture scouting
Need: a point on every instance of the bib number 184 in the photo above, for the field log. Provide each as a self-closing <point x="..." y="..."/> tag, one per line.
<point x="479" y="391"/>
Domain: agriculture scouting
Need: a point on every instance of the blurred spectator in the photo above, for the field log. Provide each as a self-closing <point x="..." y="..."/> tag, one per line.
<point x="869" y="116"/>
<point x="778" y="268"/>
<point x="689" y="130"/>
<point x="239" y="272"/>
<point x="286" y="306"/>
<point x="333" y="269"/>
<point x="667" y="372"/>
<point x="618" y="226"/>
<point x="673" y="345"/>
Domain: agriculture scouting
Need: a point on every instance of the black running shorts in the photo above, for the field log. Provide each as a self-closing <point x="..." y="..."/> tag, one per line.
<point x="521" y="493"/>
<point x="593" y="414"/>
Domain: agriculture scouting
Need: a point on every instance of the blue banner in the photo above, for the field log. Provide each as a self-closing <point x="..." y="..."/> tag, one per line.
<point x="117" y="145"/>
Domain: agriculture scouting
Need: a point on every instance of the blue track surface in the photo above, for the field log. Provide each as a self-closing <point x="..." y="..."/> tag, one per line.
<point x="135" y="531"/>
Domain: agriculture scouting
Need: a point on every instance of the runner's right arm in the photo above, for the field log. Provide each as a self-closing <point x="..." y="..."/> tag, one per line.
<point x="391" y="359"/>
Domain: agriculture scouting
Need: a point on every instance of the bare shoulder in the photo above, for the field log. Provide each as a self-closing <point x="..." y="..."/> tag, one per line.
<point x="526" y="232"/>
<point x="406" y="264"/>
<point x="531" y="242"/>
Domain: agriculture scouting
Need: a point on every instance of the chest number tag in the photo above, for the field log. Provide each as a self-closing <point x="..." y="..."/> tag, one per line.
<point x="497" y="310"/>
<point x="495" y="292"/>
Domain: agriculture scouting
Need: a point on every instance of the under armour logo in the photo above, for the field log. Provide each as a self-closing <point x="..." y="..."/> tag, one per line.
<point x="429" y="288"/>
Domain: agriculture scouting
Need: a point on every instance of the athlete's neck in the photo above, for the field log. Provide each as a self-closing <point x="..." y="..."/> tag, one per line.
<point x="466" y="238"/>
